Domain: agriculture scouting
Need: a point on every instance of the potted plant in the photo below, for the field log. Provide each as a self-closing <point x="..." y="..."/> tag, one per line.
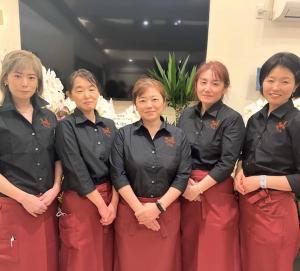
<point x="178" y="82"/>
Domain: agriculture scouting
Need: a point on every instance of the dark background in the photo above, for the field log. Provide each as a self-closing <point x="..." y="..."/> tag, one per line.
<point x="103" y="35"/>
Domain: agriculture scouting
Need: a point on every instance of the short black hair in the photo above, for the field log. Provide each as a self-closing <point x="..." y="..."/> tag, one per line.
<point x="286" y="60"/>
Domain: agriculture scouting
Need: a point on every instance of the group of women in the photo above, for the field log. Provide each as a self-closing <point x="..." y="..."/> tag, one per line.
<point x="149" y="196"/>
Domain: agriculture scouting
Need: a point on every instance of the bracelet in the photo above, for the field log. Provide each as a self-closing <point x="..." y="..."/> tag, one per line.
<point x="160" y="208"/>
<point x="263" y="181"/>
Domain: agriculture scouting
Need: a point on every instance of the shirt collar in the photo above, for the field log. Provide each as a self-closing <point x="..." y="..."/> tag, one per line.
<point x="213" y="110"/>
<point x="36" y="100"/>
<point x="81" y="118"/>
<point x="164" y="125"/>
<point x="278" y="112"/>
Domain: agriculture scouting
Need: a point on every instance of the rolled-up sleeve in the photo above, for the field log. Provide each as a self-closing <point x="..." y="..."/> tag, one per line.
<point x="117" y="167"/>
<point x="185" y="166"/>
<point x="232" y="140"/>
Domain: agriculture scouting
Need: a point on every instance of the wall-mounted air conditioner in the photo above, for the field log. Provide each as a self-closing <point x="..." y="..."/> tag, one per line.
<point x="286" y="10"/>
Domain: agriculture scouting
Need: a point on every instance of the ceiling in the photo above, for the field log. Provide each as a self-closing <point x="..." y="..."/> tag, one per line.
<point x="139" y="29"/>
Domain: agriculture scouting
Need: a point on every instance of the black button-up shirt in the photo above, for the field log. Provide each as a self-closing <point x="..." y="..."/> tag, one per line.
<point x="84" y="148"/>
<point x="216" y="138"/>
<point x="27" y="153"/>
<point x="150" y="166"/>
<point x="272" y="145"/>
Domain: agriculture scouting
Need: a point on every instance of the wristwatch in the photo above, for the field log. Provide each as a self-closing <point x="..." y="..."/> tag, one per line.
<point x="160" y="208"/>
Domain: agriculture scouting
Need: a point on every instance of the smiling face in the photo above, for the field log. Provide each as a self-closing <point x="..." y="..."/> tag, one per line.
<point x="150" y="104"/>
<point x="85" y="94"/>
<point x="209" y="88"/>
<point x="278" y="86"/>
<point x="22" y="84"/>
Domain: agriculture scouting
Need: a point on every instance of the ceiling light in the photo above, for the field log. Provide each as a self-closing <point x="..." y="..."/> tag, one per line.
<point x="107" y="51"/>
<point x="145" y="23"/>
<point x="84" y="22"/>
<point x="130" y="60"/>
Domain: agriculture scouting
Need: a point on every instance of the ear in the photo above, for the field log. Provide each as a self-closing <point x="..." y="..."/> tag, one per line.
<point x="69" y="95"/>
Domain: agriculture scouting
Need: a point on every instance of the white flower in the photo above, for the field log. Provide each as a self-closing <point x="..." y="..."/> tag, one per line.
<point x="53" y="91"/>
<point x="253" y="108"/>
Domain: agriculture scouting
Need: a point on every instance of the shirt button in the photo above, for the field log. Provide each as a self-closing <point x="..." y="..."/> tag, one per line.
<point x="33" y="134"/>
<point x="151" y="196"/>
<point x="152" y="181"/>
<point x="40" y="179"/>
<point x="38" y="164"/>
<point x="36" y="149"/>
<point x="153" y="151"/>
<point x="153" y="167"/>
<point x="197" y="133"/>
<point x="98" y="142"/>
<point x="95" y="129"/>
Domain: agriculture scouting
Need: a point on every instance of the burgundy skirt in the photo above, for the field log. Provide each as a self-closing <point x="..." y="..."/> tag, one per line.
<point x="209" y="229"/>
<point x="138" y="248"/>
<point x="27" y="242"/>
<point x="85" y="243"/>
<point x="269" y="231"/>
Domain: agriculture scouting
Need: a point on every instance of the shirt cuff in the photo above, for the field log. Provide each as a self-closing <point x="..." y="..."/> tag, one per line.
<point x="120" y="182"/>
<point x="180" y="184"/>
<point x="294" y="181"/>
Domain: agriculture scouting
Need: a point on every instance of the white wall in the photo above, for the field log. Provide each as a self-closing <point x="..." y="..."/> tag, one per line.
<point x="243" y="43"/>
<point x="10" y="30"/>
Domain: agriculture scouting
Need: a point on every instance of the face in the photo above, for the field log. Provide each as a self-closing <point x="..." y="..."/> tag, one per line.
<point x="278" y="86"/>
<point x="150" y="105"/>
<point x="22" y="84"/>
<point x="84" y="94"/>
<point x="209" y="88"/>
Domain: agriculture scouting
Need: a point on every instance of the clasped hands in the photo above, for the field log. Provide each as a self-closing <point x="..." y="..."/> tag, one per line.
<point x="245" y="185"/>
<point x="147" y="215"/>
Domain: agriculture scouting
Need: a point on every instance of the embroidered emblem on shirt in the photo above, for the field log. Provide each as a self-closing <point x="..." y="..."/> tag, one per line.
<point x="106" y="131"/>
<point x="45" y="122"/>
<point x="281" y="125"/>
<point x="170" y="140"/>
<point x="214" y="124"/>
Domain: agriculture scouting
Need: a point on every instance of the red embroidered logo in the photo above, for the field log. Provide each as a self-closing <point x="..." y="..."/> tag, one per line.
<point x="45" y="122"/>
<point x="214" y="124"/>
<point x="170" y="140"/>
<point x="106" y="131"/>
<point x="280" y="126"/>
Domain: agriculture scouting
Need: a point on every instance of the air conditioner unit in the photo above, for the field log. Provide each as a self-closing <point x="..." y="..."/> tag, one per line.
<point x="286" y="10"/>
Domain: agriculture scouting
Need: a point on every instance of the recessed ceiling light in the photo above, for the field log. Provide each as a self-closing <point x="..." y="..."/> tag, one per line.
<point x="130" y="60"/>
<point x="107" y="51"/>
<point x="178" y="22"/>
<point x="83" y="21"/>
<point x="145" y="23"/>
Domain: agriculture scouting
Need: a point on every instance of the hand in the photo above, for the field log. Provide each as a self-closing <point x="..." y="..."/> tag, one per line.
<point x="147" y="213"/>
<point x="104" y="213"/>
<point x="192" y="182"/>
<point x="112" y="215"/>
<point x="239" y="180"/>
<point x="152" y="225"/>
<point x="49" y="196"/>
<point x="33" y="205"/>
<point x="192" y="191"/>
<point x="251" y="184"/>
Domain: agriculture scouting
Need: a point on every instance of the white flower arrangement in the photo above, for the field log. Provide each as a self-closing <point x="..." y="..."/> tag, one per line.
<point x="259" y="104"/>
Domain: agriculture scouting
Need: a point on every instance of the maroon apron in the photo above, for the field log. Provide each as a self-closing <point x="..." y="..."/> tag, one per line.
<point x="209" y="229"/>
<point x="85" y="243"/>
<point x="269" y="231"/>
<point x="27" y="242"/>
<point x="141" y="249"/>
